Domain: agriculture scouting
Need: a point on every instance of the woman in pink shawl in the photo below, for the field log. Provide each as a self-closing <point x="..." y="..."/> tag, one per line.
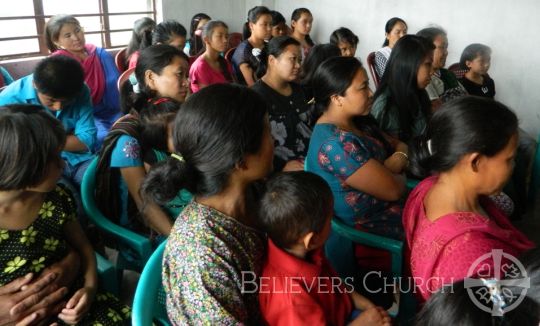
<point x="469" y="148"/>
<point x="65" y="36"/>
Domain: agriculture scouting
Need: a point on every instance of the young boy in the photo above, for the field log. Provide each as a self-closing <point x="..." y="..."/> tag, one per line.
<point x="476" y="58"/>
<point x="298" y="286"/>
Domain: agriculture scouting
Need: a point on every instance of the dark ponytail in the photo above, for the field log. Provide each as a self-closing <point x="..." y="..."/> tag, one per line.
<point x="466" y="125"/>
<point x="142" y="35"/>
<point x="212" y="133"/>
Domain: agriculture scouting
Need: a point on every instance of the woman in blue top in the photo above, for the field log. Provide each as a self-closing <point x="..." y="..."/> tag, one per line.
<point x="140" y="138"/>
<point x="362" y="165"/>
<point x="65" y="36"/>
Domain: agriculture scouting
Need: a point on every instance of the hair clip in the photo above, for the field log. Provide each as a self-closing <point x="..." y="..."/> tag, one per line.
<point x="430" y="150"/>
<point x="135" y="83"/>
<point x="160" y="100"/>
<point x="178" y="157"/>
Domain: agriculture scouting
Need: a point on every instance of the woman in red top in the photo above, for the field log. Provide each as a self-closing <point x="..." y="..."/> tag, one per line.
<point x="449" y="221"/>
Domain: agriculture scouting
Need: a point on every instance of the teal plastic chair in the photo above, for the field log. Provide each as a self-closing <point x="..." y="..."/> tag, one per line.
<point x="149" y="301"/>
<point x="339" y="250"/>
<point x="534" y="186"/>
<point x="138" y="245"/>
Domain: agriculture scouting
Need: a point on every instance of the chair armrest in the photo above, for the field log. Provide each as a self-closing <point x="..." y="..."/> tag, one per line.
<point x="395" y="247"/>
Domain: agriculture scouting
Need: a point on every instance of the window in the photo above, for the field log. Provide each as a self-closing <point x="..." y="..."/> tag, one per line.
<point x="107" y="23"/>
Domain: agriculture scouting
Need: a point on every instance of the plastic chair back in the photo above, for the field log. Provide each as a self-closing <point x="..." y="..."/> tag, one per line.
<point x="372" y="71"/>
<point x="234" y="40"/>
<point x="457" y="70"/>
<point x="124" y="77"/>
<point x="120" y="60"/>
<point x="229" y="54"/>
<point x="139" y="245"/>
<point x="149" y="300"/>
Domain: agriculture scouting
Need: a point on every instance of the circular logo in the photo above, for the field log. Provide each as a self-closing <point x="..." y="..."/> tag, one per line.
<point x="491" y="292"/>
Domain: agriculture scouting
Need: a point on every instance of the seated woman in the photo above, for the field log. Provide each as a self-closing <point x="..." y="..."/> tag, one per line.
<point x="345" y="40"/>
<point x="301" y="23"/>
<point x="401" y="105"/>
<point x="222" y="144"/>
<point x="290" y="119"/>
<point x="315" y="57"/>
<point x="394" y="29"/>
<point x="139" y="139"/>
<point x="210" y="67"/>
<point x="195" y="45"/>
<point x="65" y="36"/>
<point x="279" y="25"/>
<point x="444" y="85"/>
<point x="257" y="30"/>
<point x="362" y="165"/>
<point x="141" y="39"/>
<point x="449" y="220"/>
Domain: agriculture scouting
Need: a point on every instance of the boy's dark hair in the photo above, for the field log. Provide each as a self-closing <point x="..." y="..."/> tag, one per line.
<point x="294" y="204"/>
<point x="59" y="76"/>
<point x="471" y="52"/>
<point x="30" y="140"/>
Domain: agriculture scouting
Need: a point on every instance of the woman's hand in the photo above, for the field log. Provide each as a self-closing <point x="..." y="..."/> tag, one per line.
<point x="78" y="306"/>
<point x="23" y="302"/>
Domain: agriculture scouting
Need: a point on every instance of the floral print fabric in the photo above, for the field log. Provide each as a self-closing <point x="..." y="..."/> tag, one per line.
<point x="42" y="244"/>
<point x="208" y="254"/>
<point x="335" y="155"/>
<point x="291" y="122"/>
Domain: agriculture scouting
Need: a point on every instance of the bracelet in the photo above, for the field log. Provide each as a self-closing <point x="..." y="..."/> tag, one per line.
<point x="403" y="154"/>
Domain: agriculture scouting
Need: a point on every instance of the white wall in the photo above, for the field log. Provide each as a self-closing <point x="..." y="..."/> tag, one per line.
<point x="508" y="27"/>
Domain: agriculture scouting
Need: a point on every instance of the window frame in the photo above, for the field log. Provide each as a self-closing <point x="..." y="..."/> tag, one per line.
<point x="40" y="19"/>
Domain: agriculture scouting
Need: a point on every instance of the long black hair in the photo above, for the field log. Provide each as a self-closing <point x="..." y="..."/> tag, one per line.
<point x="466" y="125"/>
<point x="154" y="58"/>
<point x="400" y="81"/>
<point x="213" y="132"/>
<point x="313" y="60"/>
<point x="208" y="31"/>
<point x="142" y="35"/>
<point x="333" y="77"/>
<point x="195" y="41"/>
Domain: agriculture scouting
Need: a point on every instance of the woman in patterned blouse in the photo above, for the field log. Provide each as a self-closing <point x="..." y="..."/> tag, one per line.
<point x="223" y="143"/>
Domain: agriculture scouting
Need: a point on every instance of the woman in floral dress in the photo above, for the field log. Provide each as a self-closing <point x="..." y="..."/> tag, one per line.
<point x="38" y="221"/>
<point x="363" y="166"/>
<point x="214" y="253"/>
<point x="290" y="117"/>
